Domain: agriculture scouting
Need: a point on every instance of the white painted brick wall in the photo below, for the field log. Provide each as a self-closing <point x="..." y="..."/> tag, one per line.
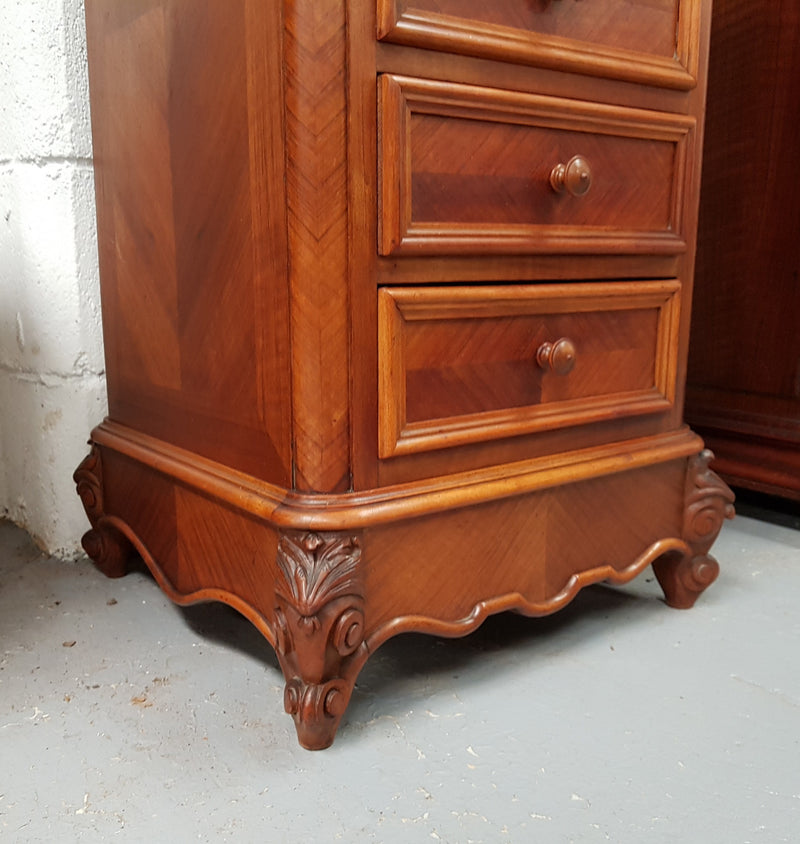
<point x="52" y="389"/>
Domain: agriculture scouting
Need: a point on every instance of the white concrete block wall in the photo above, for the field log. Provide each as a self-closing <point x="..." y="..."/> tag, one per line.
<point x="52" y="389"/>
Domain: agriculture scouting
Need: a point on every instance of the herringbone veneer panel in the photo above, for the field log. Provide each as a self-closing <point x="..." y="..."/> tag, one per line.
<point x="316" y="131"/>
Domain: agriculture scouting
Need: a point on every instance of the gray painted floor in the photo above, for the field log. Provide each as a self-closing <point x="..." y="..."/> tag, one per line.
<point x="125" y="718"/>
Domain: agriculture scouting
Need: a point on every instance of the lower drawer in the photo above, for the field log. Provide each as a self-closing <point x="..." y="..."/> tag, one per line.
<point x="464" y="364"/>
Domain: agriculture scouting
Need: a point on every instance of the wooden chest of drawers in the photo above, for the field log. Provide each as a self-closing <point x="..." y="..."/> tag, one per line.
<point x="396" y="299"/>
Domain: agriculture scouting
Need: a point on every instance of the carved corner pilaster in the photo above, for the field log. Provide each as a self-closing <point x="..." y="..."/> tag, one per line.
<point x="319" y="629"/>
<point x="708" y="502"/>
<point x="108" y="549"/>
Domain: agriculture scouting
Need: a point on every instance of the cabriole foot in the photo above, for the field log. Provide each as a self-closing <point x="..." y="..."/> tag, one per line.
<point x="319" y="629"/>
<point x="109" y="550"/>
<point x="684" y="578"/>
<point x="708" y="503"/>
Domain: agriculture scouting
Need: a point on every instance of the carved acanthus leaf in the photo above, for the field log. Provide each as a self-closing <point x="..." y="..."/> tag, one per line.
<point x="317" y="569"/>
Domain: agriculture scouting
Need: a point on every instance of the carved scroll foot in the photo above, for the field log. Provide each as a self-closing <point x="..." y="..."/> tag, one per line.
<point x="108" y="549"/>
<point x="684" y="578"/>
<point x="708" y="503"/>
<point x="319" y="626"/>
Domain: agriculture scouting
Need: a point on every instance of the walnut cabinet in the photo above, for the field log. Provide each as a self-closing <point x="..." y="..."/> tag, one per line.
<point x="396" y="303"/>
<point x="744" y="362"/>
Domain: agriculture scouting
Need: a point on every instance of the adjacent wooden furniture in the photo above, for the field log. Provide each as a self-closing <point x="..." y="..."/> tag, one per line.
<point x="396" y="302"/>
<point x="744" y="360"/>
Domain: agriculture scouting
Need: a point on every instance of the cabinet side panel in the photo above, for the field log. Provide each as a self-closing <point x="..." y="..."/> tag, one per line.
<point x="188" y="133"/>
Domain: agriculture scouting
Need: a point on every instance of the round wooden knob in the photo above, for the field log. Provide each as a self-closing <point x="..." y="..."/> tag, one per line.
<point x="574" y="177"/>
<point x="558" y="357"/>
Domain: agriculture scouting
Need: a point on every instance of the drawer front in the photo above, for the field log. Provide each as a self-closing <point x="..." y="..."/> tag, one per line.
<point x="475" y="170"/>
<point x="467" y="364"/>
<point x="649" y="41"/>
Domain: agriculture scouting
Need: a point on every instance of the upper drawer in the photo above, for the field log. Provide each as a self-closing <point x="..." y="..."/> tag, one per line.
<point x="466" y="364"/>
<point x="466" y="169"/>
<point x="648" y="41"/>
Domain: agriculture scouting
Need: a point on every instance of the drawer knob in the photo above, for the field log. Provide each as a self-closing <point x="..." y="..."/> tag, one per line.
<point x="574" y="177"/>
<point x="558" y="357"/>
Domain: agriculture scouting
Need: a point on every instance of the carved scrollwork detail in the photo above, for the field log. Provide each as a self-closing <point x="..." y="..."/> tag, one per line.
<point x="313" y="702"/>
<point x="319" y="629"/>
<point x="708" y="502"/>
<point x="108" y="549"/>
<point x="88" y="480"/>
<point x="348" y="632"/>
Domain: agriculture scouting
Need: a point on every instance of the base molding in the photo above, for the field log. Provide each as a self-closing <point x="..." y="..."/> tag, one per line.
<point x="292" y="510"/>
<point x="327" y="589"/>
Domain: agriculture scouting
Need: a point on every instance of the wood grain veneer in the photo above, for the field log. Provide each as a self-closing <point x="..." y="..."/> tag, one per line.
<point x="459" y="364"/>
<point x="467" y="169"/>
<point x="375" y="362"/>
<point x="653" y="43"/>
<point x="744" y="374"/>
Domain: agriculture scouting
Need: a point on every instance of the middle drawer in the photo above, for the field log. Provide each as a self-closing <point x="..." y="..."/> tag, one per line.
<point x="472" y="170"/>
<point x="468" y="364"/>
